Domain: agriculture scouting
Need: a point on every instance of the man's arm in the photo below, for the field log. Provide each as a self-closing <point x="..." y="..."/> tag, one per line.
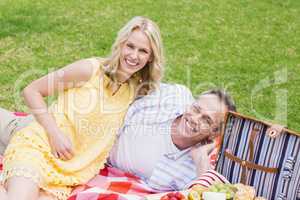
<point x="200" y="156"/>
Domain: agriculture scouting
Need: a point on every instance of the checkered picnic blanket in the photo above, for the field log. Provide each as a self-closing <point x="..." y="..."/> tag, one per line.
<point x="114" y="184"/>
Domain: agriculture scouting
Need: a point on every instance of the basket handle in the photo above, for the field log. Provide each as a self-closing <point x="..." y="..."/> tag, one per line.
<point x="247" y="164"/>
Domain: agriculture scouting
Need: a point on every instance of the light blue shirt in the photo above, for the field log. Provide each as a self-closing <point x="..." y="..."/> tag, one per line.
<point x="144" y="146"/>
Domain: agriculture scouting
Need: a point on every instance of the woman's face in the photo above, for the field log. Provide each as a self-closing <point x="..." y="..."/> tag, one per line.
<point x="135" y="53"/>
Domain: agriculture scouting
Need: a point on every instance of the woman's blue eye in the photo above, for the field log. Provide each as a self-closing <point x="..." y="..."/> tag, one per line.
<point x="144" y="51"/>
<point x="130" y="46"/>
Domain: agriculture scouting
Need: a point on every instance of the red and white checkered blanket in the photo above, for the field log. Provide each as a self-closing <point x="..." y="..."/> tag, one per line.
<point x="114" y="184"/>
<point x="110" y="184"/>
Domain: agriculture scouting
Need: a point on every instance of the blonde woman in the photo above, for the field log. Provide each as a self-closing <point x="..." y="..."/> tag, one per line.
<point x="70" y="141"/>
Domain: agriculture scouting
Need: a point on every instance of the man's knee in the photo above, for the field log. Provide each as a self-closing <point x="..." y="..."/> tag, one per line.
<point x="6" y="118"/>
<point x="9" y="124"/>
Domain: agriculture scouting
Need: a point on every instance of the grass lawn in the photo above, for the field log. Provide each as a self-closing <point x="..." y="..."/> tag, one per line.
<point x="252" y="48"/>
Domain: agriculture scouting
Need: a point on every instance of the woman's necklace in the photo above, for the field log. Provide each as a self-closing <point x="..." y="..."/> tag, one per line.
<point x="116" y="86"/>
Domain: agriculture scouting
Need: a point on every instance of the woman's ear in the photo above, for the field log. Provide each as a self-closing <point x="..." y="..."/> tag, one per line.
<point x="151" y="58"/>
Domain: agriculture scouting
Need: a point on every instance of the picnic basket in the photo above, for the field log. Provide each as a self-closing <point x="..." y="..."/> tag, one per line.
<point x="257" y="153"/>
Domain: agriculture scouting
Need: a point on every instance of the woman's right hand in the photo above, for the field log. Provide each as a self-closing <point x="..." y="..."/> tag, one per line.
<point x="61" y="145"/>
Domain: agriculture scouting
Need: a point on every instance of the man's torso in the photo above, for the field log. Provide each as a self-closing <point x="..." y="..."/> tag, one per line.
<point x="144" y="142"/>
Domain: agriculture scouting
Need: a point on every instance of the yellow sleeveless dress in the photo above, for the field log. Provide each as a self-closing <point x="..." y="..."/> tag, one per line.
<point x="90" y="116"/>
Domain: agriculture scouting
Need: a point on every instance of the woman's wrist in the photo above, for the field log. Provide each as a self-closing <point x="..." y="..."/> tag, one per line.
<point x="53" y="130"/>
<point x="48" y="123"/>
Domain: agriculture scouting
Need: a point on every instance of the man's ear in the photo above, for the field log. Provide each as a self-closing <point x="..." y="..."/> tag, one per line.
<point x="216" y="131"/>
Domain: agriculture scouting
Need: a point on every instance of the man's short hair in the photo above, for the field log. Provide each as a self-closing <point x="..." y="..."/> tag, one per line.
<point x="224" y="97"/>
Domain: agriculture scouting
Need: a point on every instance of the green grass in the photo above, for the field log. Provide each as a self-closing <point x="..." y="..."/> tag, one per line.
<point x="244" y="46"/>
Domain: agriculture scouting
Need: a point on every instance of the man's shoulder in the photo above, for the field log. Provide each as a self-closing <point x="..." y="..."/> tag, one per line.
<point x="167" y="93"/>
<point x="175" y="94"/>
<point x="163" y="104"/>
<point x="172" y="92"/>
<point x="171" y="87"/>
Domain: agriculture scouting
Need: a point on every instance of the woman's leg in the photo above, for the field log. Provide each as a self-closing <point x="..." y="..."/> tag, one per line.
<point x="45" y="196"/>
<point x="3" y="193"/>
<point x="20" y="188"/>
<point x="42" y="195"/>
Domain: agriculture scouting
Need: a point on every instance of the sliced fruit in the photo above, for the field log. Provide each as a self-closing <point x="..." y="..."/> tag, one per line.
<point x="193" y="195"/>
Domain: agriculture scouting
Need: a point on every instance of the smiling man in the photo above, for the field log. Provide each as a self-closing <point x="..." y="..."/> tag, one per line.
<point x="202" y="121"/>
<point x="161" y="130"/>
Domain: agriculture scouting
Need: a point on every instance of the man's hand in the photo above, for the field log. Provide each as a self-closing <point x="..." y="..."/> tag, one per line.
<point x="61" y="146"/>
<point x="200" y="155"/>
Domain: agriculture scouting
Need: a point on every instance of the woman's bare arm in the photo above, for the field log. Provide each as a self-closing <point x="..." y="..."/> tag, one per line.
<point x="70" y="76"/>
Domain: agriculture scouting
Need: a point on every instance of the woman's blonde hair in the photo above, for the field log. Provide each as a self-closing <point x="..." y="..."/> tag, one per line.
<point x="152" y="73"/>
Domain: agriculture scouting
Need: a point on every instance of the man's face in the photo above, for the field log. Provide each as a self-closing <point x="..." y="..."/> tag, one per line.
<point x="202" y="120"/>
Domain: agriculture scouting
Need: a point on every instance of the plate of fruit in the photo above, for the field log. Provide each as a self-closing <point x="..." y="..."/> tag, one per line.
<point x="222" y="191"/>
<point x="173" y="196"/>
<point x="217" y="191"/>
